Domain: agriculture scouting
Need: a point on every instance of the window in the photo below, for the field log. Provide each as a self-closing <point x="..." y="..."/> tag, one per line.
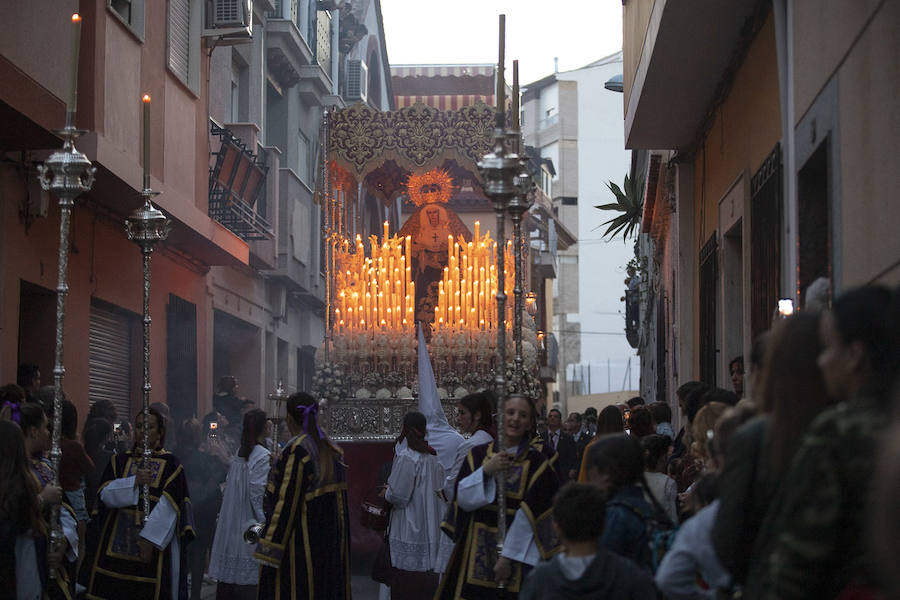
<point x="546" y="180"/>
<point x="765" y="241"/>
<point x="302" y="164"/>
<point x="130" y="12"/>
<point x="184" y="30"/>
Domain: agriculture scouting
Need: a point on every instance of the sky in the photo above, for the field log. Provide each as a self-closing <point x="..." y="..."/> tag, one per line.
<point x="466" y="31"/>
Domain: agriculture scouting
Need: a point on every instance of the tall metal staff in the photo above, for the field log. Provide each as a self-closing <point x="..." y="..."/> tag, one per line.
<point x="67" y="173"/>
<point x="498" y="169"/>
<point x="146" y="226"/>
<point x="517" y="206"/>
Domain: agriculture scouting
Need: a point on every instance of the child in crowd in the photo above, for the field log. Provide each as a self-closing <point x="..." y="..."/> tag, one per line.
<point x="585" y="570"/>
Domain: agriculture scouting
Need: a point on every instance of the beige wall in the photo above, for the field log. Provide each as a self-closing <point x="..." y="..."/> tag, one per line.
<point x="869" y="118"/>
<point x="745" y="129"/>
<point x="824" y="33"/>
<point x="635" y="21"/>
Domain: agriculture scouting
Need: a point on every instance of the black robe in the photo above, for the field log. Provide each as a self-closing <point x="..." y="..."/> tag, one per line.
<point x="530" y="485"/>
<point x="305" y="546"/>
<point x="115" y="568"/>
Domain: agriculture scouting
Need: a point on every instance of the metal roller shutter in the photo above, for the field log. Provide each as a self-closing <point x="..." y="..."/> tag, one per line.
<point x="110" y="359"/>
<point x="179" y="37"/>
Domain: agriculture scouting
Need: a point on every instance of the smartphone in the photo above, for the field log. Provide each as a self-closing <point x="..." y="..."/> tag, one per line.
<point x="785" y="308"/>
<point x="213" y="426"/>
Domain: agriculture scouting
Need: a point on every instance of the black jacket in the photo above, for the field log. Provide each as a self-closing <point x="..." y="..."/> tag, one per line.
<point x="568" y="452"/>
<point x="609" y="577"/>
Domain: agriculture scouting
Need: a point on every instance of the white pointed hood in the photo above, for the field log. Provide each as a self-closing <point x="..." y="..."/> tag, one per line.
<point x="441" y="436"/>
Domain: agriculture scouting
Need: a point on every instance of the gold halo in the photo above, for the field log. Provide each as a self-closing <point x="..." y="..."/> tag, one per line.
<point x="437" y="180"/>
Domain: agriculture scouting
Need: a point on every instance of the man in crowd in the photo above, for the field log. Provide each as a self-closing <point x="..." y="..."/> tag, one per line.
<point x="562" y="442"/>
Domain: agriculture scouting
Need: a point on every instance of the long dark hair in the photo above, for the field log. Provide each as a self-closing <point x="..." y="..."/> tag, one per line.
<point x="32" y="416"/>
<point x="482" y="403"/>
<point x="303" y="409"/>
<point x="254" y="425"/>
<point x="863" y="314"/>
<point x="792" y="389"/>
<point x="414" y="429"/>
<point x="95" y="434"/>
<point x="621" y="457"/>
<point x="18" y="494"/>
<point x="610" y="421"/>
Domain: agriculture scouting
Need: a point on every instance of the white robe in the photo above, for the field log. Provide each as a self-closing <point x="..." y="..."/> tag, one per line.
<point x="478" y="438"/>
<point x="159" y="529"/>
<point x="416" y="540"/>
<point x="231" y="558"/>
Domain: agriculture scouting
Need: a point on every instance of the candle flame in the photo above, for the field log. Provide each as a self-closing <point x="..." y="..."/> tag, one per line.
<point x="76" y="18"/>
<point x="146" y="99"/>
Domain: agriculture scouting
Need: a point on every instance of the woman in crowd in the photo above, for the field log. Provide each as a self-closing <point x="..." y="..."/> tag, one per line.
<point x="475" y="421"/>
<point x="414" y="534"/>
<point x="819" y="551"/>
<point x="126" y="555"/>
<point x="231" y="560"/>
<point x="657" y="449"/>
<point x="790" y="392"/>
<point x="609" y="421"/>
<point x="475" y="570"/>
<point x="615" y="464"/>
<point x="305" y="545"/>
<point x="205" y="474"/>
<point x="36" y="432"/>
<point x="95" y="436"/>
<point x="702" y="427"/>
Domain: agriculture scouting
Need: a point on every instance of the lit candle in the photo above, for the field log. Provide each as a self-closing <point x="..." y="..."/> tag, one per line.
<point x="146" y="100"/>
<point x="385" y="231"/>
<point x="72" y="106"/>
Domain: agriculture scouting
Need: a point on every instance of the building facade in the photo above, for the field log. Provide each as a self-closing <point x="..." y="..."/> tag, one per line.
<point x="237" y="102"/>
<point x="764" y="133"/>
<point x="571" y="120"/>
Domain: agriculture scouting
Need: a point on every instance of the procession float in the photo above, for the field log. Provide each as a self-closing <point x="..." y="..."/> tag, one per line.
<point x="442" y="267"/>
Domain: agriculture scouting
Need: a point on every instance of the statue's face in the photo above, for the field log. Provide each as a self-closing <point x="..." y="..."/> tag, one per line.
<point x="434" y="216"/>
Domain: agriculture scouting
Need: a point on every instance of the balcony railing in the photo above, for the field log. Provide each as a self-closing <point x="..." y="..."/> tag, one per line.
<point x="236" y="181"/>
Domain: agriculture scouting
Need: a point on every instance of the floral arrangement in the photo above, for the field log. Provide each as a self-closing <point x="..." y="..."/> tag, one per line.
<point x="328" y="383"/>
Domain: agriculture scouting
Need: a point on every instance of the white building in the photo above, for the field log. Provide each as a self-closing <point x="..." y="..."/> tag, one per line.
<point x="575" y="122"/>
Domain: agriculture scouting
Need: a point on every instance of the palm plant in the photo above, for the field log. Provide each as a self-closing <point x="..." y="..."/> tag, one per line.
<point x="629" y="202"/>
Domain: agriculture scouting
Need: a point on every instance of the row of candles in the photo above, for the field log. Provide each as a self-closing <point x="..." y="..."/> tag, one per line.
<point x="468" y="289"/>
<point x="377" y="293"/>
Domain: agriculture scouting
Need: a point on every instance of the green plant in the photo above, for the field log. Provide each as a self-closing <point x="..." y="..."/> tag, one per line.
<point x="629" y="202"/>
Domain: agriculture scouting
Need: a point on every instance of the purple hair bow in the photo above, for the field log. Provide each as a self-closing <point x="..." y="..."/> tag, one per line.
<point x="307" y="411"/>
<point x="14" y="412"/>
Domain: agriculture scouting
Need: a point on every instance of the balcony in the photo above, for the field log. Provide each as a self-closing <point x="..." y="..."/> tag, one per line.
<point x="237" y="180"/>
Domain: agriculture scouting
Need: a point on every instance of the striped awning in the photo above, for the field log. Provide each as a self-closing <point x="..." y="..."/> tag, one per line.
<point x="443" y="101"/>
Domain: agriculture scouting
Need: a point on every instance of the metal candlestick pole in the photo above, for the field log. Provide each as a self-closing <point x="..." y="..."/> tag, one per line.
<point x="498" y="170"/>
<point x="146" y="227"/>
<point x="327" y="232"/>
<point x="67" y="173"/>
<point x="278" y="399"/>
<point x="517" y="206"/>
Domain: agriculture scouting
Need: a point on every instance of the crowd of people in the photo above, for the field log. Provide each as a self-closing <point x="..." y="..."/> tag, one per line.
<point x="786" y="492"/>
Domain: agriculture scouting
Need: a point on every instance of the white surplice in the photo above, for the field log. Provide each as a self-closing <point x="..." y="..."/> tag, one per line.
<point x="476" y="490"/>
<point x="231" y="558"/>
<point x="478" y="438"/>
<point x="416" y="540"/>
<point x="159" y="529"/>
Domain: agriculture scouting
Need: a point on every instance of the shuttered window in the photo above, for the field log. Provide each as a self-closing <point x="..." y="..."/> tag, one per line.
<point x="179" y="38"/>
<point x="110" y="358"/>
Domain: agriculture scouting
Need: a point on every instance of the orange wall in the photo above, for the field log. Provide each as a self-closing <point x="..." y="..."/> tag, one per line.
<point x="743" y="131"/>
<point x="103" y="264"/>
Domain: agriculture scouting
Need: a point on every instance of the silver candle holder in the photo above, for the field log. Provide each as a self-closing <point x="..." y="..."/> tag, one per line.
<point x="278" y="405"/>
<point x="147" y="226"/>
<point x="67" y="174"/>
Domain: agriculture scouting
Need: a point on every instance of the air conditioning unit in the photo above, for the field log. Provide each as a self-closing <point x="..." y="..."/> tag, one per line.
<point x="357" y="80"/>
<point x="229" y="20"/>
